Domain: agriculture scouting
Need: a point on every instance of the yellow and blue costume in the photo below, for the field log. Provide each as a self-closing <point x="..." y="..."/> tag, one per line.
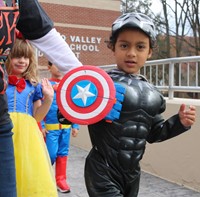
<point x="33" y="168"/>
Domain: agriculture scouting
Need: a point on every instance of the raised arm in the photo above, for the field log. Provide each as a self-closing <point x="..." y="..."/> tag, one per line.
<point x="37" y="27"/>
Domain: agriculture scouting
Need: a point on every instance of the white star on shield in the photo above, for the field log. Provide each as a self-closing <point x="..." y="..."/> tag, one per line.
<point x="83" y="93"/>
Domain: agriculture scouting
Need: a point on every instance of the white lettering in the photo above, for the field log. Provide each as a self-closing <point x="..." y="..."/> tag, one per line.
<point x="98" y="40"/>
<point x="72" y="38"/>
<point x="93" y="40"/>
<point x="86" y="40"/>
<point x="64" y="37"/>
<point x="78" y="47"/>
<point x="83" y="39"/>
<point x="91" y="47"/>
<point x="39" y="53"/>
<point x="84" y="47"/>
<point x="72" y="47"/>
<point x="95" y="48"/>
<point x="77" y="54"/>
<point x="77" y="39"/>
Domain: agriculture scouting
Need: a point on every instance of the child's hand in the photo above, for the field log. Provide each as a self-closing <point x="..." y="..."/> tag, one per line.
<point x="47" y="88"/>
<point x="44" y="132"/>
<point x="187" y="116"/>
<point x="74" y="132"/>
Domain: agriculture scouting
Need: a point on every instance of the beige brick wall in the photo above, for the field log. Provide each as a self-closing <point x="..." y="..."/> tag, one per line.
<point x="99" y="4"/>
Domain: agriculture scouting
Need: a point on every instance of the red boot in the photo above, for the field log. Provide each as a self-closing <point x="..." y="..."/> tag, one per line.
<point x="61" y="177"/>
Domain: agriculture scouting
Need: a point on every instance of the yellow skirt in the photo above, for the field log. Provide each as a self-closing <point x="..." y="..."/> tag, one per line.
<point x="34" y="173"/>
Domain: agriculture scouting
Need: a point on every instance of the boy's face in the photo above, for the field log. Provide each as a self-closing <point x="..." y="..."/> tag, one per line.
<point x="55" y="72"/>
<point x="131" y="50"/>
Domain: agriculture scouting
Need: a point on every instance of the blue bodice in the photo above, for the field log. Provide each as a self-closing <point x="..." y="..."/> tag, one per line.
<point x="23" y="102"/>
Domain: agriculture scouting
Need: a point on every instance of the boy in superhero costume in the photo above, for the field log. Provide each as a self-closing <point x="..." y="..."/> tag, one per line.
<point x="37" y="27"/>
<point x="57" y="136"/>
<point x="112" y="167"/>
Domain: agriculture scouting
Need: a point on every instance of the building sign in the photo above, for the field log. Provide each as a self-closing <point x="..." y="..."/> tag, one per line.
<point x="81" y="43"/>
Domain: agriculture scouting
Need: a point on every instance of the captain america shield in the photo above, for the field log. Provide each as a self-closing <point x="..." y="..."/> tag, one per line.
<point x="85" y="95"/>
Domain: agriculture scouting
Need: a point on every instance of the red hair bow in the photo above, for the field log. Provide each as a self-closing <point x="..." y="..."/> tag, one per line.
<point x="18" y="34"/>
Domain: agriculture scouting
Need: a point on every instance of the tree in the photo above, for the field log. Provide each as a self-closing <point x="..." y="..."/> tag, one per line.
<point x="193" y="17"/>
<point x="178" y="25"/>
<point x="136" y="6"/>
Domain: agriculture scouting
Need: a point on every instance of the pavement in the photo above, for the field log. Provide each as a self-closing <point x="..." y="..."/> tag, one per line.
<point x="150" y="186"/>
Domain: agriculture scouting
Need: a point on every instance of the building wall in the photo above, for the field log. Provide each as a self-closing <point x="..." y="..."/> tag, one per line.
<point x="85" y="25"/>
<point x="100" y="4"/>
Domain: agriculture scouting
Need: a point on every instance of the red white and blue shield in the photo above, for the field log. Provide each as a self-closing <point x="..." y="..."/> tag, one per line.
<point x="85" y="95"/>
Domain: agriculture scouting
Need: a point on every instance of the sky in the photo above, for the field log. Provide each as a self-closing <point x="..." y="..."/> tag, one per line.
<point x="156" y="6"/>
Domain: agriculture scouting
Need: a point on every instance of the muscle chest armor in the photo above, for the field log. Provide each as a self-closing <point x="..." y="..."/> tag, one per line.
<point x="142" y="102"/>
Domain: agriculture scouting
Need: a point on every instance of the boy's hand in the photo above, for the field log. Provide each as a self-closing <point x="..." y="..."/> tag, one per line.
<point x="74" y="132"/>
<point x="44" y="132"/>
<point x="187" y="116"/>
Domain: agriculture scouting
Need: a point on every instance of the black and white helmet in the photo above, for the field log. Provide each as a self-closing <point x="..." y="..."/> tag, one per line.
<point x="137" y="20"/>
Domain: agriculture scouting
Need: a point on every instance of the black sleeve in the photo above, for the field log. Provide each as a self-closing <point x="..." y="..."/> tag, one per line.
<point x="164" y="130"/>
<point x="33" y="21"/>
<point x="62" y="119"/>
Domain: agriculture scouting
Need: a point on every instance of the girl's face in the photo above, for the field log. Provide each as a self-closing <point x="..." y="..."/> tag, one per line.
<point x="19" y="65"/>
<point x="131" y="50"/>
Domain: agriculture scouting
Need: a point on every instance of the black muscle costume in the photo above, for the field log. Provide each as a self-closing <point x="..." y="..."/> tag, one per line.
<point x="112" y="167"/>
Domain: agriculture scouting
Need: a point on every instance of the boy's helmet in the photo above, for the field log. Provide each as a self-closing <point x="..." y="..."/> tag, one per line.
<point x="137" y="20"/>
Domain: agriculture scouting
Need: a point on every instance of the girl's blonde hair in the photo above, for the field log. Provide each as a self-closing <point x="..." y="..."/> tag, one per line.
<point x="22" y="48"/>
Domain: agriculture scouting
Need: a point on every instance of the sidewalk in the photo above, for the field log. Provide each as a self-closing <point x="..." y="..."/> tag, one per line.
<point x="150" y="186"/>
